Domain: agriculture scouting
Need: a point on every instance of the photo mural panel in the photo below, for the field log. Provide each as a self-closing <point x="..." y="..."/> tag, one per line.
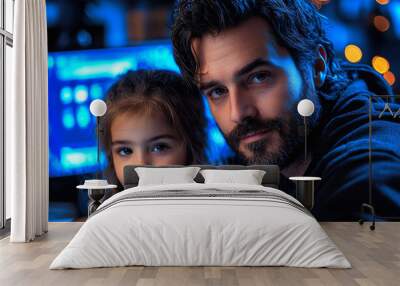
<point x="255" y="93"/>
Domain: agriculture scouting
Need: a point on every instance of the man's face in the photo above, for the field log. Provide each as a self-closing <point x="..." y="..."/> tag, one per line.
<point x="252" y="86"/>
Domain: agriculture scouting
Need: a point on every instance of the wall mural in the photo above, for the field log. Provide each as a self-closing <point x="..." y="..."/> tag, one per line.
<point x="237" y="97"/>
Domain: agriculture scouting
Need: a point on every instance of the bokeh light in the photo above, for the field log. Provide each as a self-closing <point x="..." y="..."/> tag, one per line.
<point x="380" y="64"/>
<point x="66" y="95"/>
<point x="320" y="3"/>
<point x="81" y="93"/>
<point x="389" y="77"/>
<point x="383" y="2"/>
<point x="68" y="119"/>
<point x="353" y="53"/>
<point x="83" y="116"/>
<point x="381" y="23"/>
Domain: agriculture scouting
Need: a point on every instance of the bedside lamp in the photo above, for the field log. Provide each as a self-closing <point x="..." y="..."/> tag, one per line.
<point x="96" y="188"/>
<point x="305" y="108"/>
<point x="305" y="184"/>
<point x="98" y="108"/>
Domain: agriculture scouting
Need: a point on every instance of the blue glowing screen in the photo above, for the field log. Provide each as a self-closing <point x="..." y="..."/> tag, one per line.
<point x="78" y="77"/>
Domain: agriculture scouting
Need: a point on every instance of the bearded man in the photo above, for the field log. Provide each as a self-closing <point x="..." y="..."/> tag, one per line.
<point x="254" y="60"/>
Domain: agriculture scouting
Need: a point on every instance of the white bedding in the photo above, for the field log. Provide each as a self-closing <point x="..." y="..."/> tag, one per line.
<point x="185" y="230"/>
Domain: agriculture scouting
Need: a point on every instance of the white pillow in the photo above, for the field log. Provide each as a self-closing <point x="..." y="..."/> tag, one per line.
<point x="163" y="176"/>
<point x="249" y="177"/>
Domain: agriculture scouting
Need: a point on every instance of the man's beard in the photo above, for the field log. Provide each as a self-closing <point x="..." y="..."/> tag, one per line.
<point x="291" y="140"/>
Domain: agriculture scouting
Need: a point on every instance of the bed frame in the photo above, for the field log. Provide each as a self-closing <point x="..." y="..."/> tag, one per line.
<point x="270" y="179"/>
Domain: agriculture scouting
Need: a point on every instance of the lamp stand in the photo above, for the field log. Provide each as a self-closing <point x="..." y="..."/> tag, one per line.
<point x="98" y="147"/>
<point x="369" y="205"/>
<point x="305" y="139"/>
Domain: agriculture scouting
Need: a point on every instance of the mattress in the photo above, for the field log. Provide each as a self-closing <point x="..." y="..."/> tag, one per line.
<point x="201" y="225"/>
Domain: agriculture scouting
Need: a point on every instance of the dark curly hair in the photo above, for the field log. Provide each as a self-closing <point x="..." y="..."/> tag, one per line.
<point x="146" y="91"/>
<point x="297" y="25"/>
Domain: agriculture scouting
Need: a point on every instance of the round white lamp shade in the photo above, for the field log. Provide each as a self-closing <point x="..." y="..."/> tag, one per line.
<point x="98" y="107"/>
<point x="305" y="107"/>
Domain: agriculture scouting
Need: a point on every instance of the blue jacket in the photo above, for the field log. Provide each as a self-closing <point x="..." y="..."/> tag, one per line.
<point x="340" y="147"/>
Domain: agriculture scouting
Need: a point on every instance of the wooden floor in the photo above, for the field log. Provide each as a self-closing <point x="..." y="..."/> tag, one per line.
<point x="374" y="255"/>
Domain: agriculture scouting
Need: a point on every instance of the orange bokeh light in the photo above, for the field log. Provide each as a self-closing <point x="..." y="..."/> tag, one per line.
<point x="390" y="78"/>
<point x="381" y="23"/>
<point x="383" y="2"/>
<point x="320" y="3"/>
<point x="380" y="64"/>
<point x="353" y="53"/>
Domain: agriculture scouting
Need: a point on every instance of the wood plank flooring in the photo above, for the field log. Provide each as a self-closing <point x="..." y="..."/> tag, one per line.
<point x="374" y="255"/>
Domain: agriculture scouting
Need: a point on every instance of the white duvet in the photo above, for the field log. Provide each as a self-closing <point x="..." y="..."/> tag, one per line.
<point x="206" y="230"/>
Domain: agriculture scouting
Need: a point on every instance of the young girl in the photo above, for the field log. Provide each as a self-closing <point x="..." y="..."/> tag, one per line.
<point x="152" y="118"/>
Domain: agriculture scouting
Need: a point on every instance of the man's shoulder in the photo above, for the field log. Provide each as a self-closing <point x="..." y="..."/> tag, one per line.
<point x="345" y="120"/>
<point x="361" y="80"/>
<point x="373" y="82"/>
<point x="351" y="104"/>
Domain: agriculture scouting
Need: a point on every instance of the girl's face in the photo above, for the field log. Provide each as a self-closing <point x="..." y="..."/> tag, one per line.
<point x="144" y="140"/>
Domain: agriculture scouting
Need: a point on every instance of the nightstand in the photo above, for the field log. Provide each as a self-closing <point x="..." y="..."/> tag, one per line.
<point x="96" y="191"/>
<point x="305" y="190"/>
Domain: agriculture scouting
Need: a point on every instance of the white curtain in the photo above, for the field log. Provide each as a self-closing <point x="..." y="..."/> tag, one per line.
<point x="26" y="124"/>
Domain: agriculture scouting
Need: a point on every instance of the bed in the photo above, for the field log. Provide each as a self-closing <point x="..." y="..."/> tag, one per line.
<point x="201" y="224"/>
